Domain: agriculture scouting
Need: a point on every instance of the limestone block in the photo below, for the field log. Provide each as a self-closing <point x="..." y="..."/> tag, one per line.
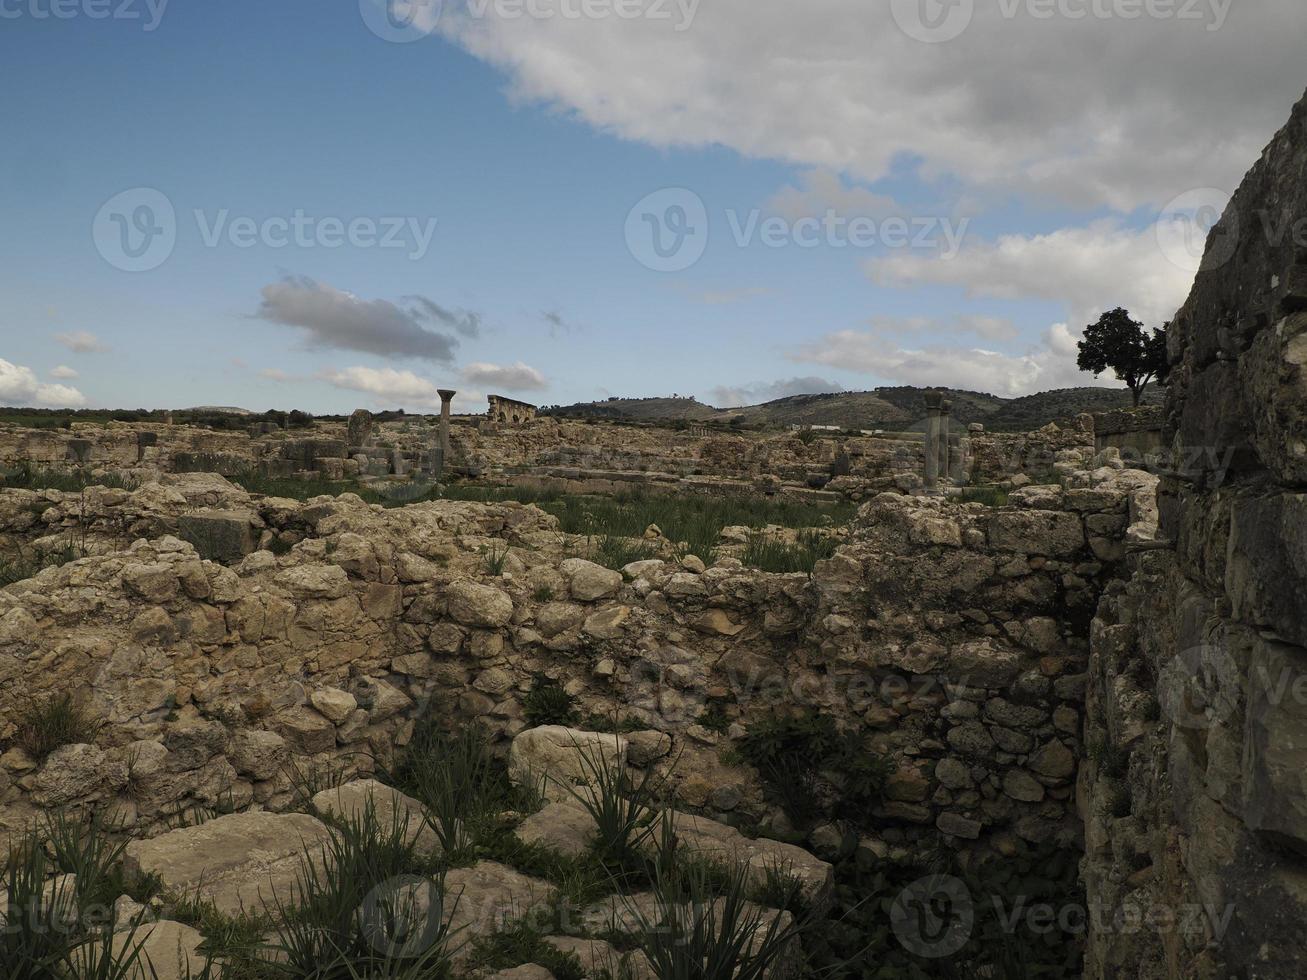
<point x="562" y="758"/>
<point x="473" y="604"/>
<point x="242" y="860"/>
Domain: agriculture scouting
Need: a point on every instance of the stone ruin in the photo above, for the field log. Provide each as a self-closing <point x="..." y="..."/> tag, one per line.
<point x="1115" y="662"/>
<point x="510" y="410"/>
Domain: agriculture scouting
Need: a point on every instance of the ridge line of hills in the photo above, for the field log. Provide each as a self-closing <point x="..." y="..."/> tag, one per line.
<point x="879" y="408"/>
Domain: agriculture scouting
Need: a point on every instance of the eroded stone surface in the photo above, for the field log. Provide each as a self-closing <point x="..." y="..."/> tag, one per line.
<point x="242" y="860"/>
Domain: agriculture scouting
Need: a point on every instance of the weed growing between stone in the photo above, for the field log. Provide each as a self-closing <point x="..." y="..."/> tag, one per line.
<point x="548" y="704"/>
<point x="800" y="756"/>
<point x="57" y="926"/>
<point x="52" y="722"/>
<point x="771" y="554"/>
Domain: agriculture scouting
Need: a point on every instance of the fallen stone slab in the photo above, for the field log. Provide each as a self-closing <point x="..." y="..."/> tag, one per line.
<point x="483" y="899"/>
<point x="554" y="758"/>
<point x="239" y="861"/>
<point x="566" y="827"/>
<point x="527" y="971"/>
<point x="391" y="808"/>
<point x="168" y="951"/>
<point x="597" y="956"/>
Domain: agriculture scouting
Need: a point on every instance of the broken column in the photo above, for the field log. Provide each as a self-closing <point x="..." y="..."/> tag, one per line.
<point x="934" y="402"/>
<point x="359" y="430"/>
<point x="442" y="445"/>
<point x="945" y="408"/>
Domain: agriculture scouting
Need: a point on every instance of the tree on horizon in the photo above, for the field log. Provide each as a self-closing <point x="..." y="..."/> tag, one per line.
<point x="1123" y="345"/>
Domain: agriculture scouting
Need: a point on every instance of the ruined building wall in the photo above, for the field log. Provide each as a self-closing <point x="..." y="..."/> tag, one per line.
<point x="1195" y="805"/>
<point x="951" y="635"/>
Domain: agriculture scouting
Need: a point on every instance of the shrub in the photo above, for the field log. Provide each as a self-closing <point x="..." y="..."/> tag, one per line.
<point x="457" y="779"/>
<point x="622" y="809"/>
<point x="704" y="927"/>
<point x="52" y="722"/>
<point x="367" y="905"/>
<point x="791" y="751"/>
<point x="548" y="704"/>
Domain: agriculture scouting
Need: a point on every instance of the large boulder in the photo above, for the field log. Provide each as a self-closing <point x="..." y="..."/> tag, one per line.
<point x="473" y="604"/>
<point x="558" y="760"/>
<point x="239" y="861"/>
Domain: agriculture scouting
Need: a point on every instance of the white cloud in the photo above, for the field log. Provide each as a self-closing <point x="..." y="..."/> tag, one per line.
<point x="986" y="327"/>
<point x="81" y="342"/>
<point x="727" y="396"/>
<point x="822" y="191"/>
<point x="387" y="386"/>
<point x="19" y="386"/>
<point x="63" y="373"/>
<point x="1093" y="111"/>
<point x="276" y="374"/>
<point x="1049" y="365"/>
<point x="1090" y="269"/>
<point x="390" y="388"/>
<point x="510" y="377"/>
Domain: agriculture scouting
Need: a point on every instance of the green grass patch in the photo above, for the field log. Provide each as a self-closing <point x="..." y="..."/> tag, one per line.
<point x="51" y="722"/>
<point x="771" y="554"/>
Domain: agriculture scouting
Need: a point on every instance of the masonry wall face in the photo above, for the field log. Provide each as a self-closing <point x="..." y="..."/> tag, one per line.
<point x="1199" y="667"/>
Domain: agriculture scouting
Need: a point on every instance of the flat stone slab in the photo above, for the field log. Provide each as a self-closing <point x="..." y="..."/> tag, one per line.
<point x="239" y="861"/>
<point x="596" y="956"/>
<point x="169" y="951"/>
<point x="567" y="827"/>
<point x="391" y="808"/>
<point x="564" y="827"/>
<point x="719" y="842"/>
<point x="483" y="899"/>
<point x="555" y="759"/>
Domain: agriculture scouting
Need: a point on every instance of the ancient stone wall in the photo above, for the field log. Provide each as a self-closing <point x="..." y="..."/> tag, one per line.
<point x="937" y="629"/>
<point x="1195" y="805"/>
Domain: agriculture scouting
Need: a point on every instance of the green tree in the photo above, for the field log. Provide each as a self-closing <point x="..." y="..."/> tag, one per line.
<point x="1121" y="344"/>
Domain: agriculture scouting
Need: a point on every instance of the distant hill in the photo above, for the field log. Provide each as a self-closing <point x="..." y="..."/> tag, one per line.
<point x="883" y="408"/>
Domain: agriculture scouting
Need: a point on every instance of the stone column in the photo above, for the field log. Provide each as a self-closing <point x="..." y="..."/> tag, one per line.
<point x="945" y="408"/>
<point x="442" y="447"/>
<point x="934" y="401"/>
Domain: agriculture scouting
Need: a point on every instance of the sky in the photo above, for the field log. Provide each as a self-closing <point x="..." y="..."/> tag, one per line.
<point x="327" y="206"/>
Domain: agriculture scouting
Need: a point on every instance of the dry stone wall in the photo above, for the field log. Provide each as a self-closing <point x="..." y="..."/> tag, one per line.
<point x="937" y="629"/>
<point x="1195" y="807"/>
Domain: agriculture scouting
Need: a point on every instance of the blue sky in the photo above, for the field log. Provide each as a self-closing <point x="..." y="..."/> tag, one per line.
<point x="528" y="141"/>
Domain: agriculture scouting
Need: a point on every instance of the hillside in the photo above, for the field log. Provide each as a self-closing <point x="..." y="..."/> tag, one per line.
<point x="883" y="408"/>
